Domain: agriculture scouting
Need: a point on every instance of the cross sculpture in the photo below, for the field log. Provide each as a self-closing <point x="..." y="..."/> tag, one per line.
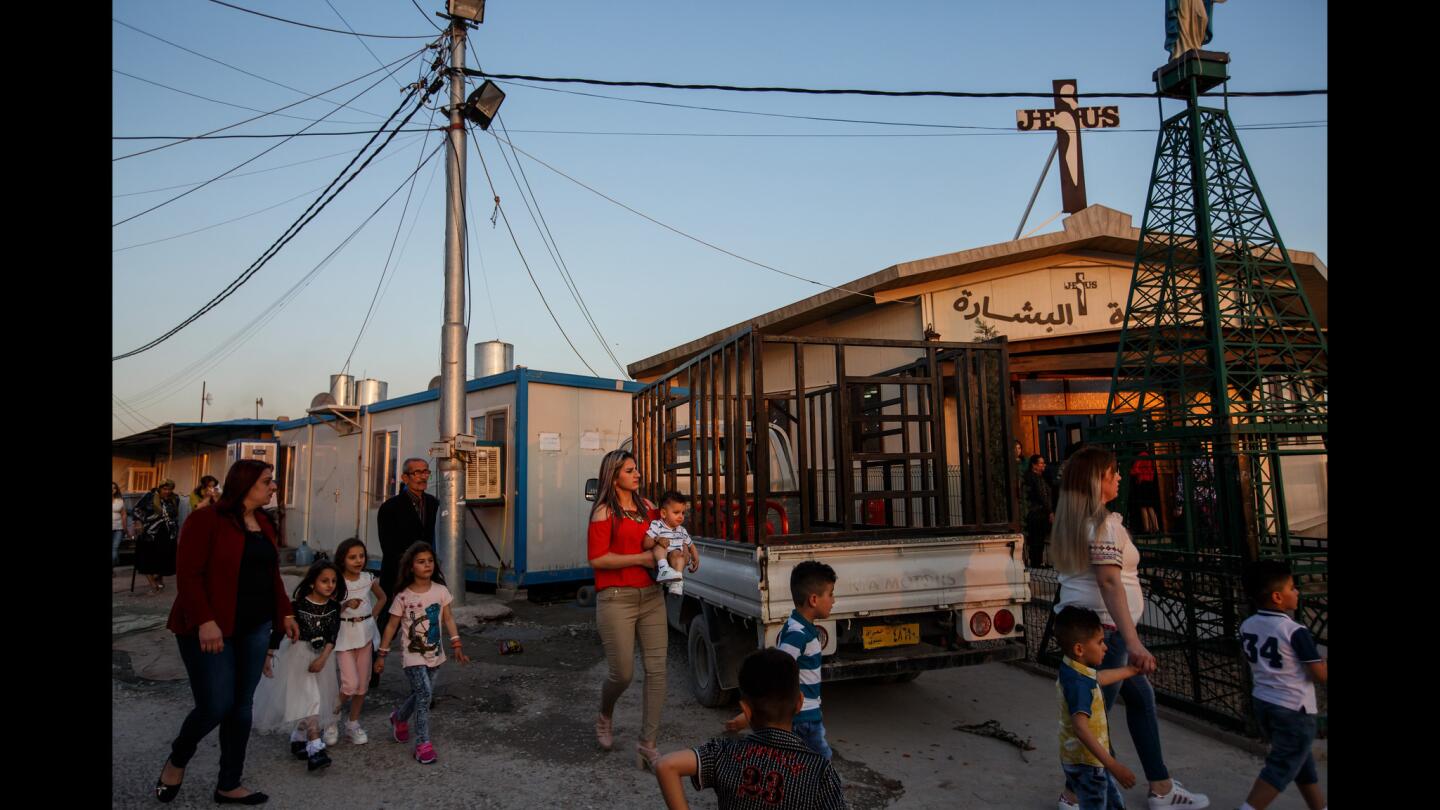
<point x="1080" y="285"/>
<point x="1067" y="119"/>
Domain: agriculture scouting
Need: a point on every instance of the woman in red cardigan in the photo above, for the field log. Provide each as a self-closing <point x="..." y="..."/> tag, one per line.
<point x="228" y="594"/>
<point x="628" y="603"/>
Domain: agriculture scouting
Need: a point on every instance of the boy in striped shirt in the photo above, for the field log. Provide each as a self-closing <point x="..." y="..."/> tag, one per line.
<point x="812" y="586"/>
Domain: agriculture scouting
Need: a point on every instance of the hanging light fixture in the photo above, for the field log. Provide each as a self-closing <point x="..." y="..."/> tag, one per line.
<point x="484" y="104"/>
<point x="472" y="10"/>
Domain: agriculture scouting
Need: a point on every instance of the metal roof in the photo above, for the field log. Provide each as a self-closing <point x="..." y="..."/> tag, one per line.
<point x="216" y="433"/>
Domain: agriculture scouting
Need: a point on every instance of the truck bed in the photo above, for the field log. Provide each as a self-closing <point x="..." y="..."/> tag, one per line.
<point x="874" y="577"/>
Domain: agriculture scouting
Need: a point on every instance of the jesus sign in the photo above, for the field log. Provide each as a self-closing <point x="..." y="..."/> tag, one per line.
<point x="1067" y="119"/>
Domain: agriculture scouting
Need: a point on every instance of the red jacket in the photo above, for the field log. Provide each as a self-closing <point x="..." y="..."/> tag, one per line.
<point x="207" y="573"/>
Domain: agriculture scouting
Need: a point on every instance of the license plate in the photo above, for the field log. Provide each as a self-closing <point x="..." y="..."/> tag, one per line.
<point x="889" y="635"/>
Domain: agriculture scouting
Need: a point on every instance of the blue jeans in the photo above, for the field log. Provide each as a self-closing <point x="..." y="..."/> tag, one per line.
<point x="1093" y="787"/>
<point x="1291" y="733"/>
<point x="812" y="733"/>
<point x="422" y="688"/>
<point x="115" y="537"/>
<point x="223" y="684"/>
<point x="1139" y="709"/>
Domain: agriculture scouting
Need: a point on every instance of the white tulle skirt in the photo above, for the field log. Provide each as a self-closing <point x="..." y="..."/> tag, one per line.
<point x="295" y="692"/>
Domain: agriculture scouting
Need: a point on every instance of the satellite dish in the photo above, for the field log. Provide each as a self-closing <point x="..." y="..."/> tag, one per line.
<point x="324" y="399"/>
<point x="434" y="383"/>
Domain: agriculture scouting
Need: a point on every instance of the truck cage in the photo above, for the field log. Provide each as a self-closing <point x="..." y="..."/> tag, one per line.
<point x="881" y="450"/>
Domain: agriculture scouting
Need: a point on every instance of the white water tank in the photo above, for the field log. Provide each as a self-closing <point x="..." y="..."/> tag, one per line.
<point x="493" y="357"/>
<point x="342" y="388"/>
<point x="369" y="392"/>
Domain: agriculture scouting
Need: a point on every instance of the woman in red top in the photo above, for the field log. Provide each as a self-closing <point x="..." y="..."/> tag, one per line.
<point x="629" y="606"/>
<point x="228" y="594"/>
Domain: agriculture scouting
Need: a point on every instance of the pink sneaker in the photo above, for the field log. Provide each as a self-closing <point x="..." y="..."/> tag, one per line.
<point x="425" y="753"/>
<point x="399" y="729"/>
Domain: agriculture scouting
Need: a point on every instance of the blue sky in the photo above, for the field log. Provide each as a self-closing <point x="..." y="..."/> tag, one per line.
<point x="826" y="208"/>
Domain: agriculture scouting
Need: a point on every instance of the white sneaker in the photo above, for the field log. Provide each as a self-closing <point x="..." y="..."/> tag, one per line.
<point x="664" y="573"/>
<point x="332" y="735"/>
<point x="355" y="734"/>
<point x="1061" y="804"/>
<point x="1179" y="797"/>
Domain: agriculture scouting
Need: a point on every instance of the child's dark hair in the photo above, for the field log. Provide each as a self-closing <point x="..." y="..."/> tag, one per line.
<point x="344" y="548"/>
<point x="407" y="566"/>
<point x="1264" y="577"/>
<point x="1074" y="625"/>
<point x="769" y="683"/>
<point x="313" y="573"/>
<point x="808" y="579"/>
<point x="674" y="496"/>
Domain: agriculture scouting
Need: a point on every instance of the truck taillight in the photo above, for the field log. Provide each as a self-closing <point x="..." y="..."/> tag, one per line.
<point x="980" y="623"/>
<point x="1004" y="621"/>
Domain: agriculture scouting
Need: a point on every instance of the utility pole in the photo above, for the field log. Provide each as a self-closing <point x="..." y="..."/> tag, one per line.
<point x="204" y="398"/>
<point x="449" y="525"/>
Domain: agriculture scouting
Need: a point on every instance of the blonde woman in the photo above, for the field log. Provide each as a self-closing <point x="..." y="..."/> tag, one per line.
<point x="629" y="606"/>
<point x="1098" y="567"/>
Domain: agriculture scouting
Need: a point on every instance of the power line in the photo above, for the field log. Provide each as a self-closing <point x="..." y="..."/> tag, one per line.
<point x="318" y="27"/>
<point x="236" y="219"/>
<point x="426" y="16"/>
<point x="233" y="67"/>
<point x="675" y="230"/>
<point x="385" y="268"/>
<point x="300" y="134"/>
<point x="553" y="248"/>
<point x="277" y="146"/>
<point x="1248" y="127"/>
<point x="317" y="206"/>
<point x="893" y="93"/>
<point x="225" y="103"/>
<point x="526" y="264"/>
<point x="183" y="139"/>
<point x="358" y="38"/>
<point x="233" y="176"/>
<point x="230" y="345"/>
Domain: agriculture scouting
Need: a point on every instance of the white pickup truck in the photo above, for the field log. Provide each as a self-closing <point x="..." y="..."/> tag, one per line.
<point x="928" y="555"/>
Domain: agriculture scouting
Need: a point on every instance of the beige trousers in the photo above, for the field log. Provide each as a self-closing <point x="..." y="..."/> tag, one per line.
<point x="625" y="616"/>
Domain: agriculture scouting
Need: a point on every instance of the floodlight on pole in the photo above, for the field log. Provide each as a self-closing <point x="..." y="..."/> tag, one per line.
<point x="484" y="104"/>
<point x="470" y="10"/>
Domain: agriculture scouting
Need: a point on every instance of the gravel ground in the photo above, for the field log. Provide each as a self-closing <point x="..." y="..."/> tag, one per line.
<point x="516" y="731"/>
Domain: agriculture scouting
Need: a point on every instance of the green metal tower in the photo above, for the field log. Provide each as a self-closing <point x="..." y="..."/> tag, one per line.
<point x="1220" y="376"/>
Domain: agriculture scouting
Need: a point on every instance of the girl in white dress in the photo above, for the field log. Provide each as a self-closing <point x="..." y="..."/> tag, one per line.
<point x="360" y="603"/>
<point x="302" y="690"/>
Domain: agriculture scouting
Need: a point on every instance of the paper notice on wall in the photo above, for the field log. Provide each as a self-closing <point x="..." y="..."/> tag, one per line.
<point x="549" y="442"/>
<point x="590" y="440"/>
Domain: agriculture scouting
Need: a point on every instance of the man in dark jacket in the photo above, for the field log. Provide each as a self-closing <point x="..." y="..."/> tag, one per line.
<point x="403" y="520"/>
<point x="1038" y="514"/>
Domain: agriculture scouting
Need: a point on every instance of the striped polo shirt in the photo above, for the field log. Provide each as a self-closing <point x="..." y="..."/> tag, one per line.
<point x="801" y="640"/>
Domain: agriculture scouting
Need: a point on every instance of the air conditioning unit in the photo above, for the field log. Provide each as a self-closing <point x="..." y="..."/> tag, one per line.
<point x="484" y="471"/>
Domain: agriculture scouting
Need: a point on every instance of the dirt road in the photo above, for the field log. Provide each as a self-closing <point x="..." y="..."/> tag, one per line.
<point x="516" y="731"/>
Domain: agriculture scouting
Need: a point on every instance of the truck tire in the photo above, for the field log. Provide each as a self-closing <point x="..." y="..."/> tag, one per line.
<point x="704" y="681"/>
<point x="907" y="677"/>
<point x="586" y="596"/>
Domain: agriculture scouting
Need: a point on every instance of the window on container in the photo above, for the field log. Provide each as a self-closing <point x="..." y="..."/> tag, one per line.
<point x="495" y="426"/>
<point x="384" y="464"/>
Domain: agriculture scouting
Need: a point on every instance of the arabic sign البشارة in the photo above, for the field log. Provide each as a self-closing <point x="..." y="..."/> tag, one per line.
<point x="1044" y="303"/>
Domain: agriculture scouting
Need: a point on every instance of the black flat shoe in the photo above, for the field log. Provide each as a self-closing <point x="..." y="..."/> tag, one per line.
<point x="165" y="793"/>
<point x="253" y="798"/>
<point x="318" y="760"/>
<point x="297" y="749"/>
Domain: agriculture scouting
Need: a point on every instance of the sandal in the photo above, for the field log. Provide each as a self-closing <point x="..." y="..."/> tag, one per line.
<point x="604" y="731"/>
<point x="647" y="758"/>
